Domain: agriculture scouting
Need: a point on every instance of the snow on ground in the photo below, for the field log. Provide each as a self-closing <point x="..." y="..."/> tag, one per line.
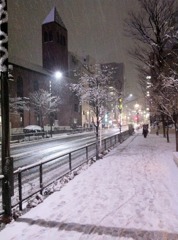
<point x="131" y="194"/>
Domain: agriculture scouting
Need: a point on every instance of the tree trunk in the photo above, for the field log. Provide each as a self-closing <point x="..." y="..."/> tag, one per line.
<point x="164" y="129"/>
<point x="167" y="133"/>
<point x="176" y="140"/>
<point x="176" y="129"/>
<point x="97" y="143"/>
<point x="176" y="135"/>
<point x="97" y="133"/>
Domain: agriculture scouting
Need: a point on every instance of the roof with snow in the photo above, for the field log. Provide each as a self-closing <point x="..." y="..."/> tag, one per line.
<point x="28" y="65"/>
<point x="53" y="16"/>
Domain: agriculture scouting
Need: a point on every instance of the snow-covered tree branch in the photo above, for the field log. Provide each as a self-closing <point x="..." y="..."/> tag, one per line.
<point x="43" y="104"/>
<point x="93" y="89"/>
<point x="17" y="104"/>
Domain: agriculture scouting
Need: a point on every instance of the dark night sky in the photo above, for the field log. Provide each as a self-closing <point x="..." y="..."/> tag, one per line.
<point x="95" y="27"/>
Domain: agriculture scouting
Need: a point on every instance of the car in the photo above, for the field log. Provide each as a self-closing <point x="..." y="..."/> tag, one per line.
<point x="32" y="129"/>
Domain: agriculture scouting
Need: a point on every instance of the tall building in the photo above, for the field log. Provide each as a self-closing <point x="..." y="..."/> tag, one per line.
<point x="78" y="65"/>
<point x="116" y="89"/>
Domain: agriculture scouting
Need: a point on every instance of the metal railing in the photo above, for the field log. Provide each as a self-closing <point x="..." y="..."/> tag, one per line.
<point x="28" y="136"/>
<point x="37" y="135"/>
<point x="34" y="178"/>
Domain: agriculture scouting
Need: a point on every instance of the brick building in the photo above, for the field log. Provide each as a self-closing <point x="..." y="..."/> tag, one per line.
<point x="29" y="77"/>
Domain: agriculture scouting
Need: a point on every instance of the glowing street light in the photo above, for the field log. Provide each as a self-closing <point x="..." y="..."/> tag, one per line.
<point x="137" y="106"/>
<point x="58" y="75"/>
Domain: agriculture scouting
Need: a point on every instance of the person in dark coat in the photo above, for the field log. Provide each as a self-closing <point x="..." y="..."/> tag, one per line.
<point x="145" y="130"/>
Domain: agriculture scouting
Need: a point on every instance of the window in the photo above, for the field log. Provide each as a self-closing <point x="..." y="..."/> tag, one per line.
<point x="62" y="40"/>
<point x="75" y="107"/>
<point x="45" y="36"/>
<point x="21" y="119"/>
<point x="57" y="35"/>
<point x="35" y="85"/>
<point x="50" y="36"/>
<point x="19" y="87"/>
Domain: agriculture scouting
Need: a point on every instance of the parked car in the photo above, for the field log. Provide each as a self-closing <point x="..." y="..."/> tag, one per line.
<point x="32" y="129"/>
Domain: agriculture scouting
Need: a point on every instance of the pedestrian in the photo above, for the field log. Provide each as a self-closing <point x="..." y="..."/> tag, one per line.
<point x="145" y="130"/>
<point x="157" y="128"/>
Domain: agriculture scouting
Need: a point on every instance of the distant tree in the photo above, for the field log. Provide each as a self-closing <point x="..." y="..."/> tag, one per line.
<point x="92" y="88"/>
<point x="43" y="104"/>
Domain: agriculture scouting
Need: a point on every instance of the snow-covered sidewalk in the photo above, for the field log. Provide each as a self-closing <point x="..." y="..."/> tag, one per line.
<point x="130" y="194"/>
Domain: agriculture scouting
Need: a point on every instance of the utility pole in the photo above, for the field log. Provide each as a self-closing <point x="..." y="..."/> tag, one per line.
<point x="120" y="114"/>
<point x="50" y="115"/>
<point x="7" y="163"/>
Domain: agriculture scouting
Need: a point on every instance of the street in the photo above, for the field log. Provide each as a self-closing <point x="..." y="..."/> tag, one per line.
<point x="34" y="151"/>
<point x="131" y="194"/>
<point x="30" y="153"/>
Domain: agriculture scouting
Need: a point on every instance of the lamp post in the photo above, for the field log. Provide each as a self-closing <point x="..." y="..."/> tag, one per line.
<point x="57" y="75"/>
<point x="7" y="161"/>
<point x="122" y="101"/>
<point x="137" y="113"/>
<point x="120" y="114"/>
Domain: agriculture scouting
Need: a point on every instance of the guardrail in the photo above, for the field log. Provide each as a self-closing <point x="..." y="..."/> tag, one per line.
<point x="34" y="178"/>
<point x="37" y="135"/>
<point x="28" y="136"/>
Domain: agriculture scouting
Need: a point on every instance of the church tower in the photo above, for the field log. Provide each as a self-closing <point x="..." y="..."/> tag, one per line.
<point x="54" y="43"/>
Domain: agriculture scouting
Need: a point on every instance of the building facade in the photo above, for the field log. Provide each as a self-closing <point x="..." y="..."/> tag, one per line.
<point x="116" y="87"/>
<point x="28" y="77"/>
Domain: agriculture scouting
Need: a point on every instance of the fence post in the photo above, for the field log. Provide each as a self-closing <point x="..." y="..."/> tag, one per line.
<point x="70" y="162"/>
<point x="20" y="190"/>
<point x="105" y="143"/>
<point x="87" y="152"/>
<point x="41" y="178"/>
<point x="120" y="139"/>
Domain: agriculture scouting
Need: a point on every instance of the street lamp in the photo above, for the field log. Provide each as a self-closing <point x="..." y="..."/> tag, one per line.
<point x="57" y="75"/>
<point x="7" y="161"/>
<point x="137" y="113"/>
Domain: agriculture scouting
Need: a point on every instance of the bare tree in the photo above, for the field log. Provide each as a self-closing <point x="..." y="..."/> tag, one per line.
<point x="43" y="104"/>
<point x="153" y="30"/>
<point x="92" y="88"/>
